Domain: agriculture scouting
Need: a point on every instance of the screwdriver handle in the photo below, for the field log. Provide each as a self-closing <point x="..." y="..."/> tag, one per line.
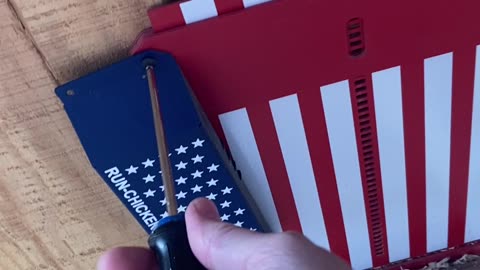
<point x="169" y="241"/>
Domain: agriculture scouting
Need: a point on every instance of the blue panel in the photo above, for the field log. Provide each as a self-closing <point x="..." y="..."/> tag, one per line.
<point x="112" y="116"/>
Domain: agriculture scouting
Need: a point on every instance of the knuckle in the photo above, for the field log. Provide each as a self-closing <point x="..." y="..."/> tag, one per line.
<point x="216" y="241"/>
<point x="278" y="251"/>
<point x="289" y="239"/>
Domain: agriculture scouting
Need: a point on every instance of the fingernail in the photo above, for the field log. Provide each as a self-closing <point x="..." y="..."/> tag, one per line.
<point x="206" y="209"/>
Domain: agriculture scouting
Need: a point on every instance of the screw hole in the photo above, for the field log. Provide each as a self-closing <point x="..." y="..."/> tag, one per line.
<point x="148" y="63"/>
<point x="70" y="92"/>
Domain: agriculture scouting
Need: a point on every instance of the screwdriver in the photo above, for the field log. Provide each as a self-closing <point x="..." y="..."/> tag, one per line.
<point x="169" y="240"/>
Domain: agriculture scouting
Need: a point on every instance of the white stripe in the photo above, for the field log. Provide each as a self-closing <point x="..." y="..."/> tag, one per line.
<point x="198" y="10"/>
<point x="387" y="90"/>
<point x="293" y="143"/>
<point x="472" y="227"/>
<point x="249" y="3"/>
<point x="241" y="141"/>
<point x="438" y="104"/>
<point x="341" y="133"/>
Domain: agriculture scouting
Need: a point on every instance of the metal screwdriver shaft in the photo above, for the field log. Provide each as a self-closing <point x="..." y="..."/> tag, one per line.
<point x="167" y="177"/>
<point x="169" y="238"/>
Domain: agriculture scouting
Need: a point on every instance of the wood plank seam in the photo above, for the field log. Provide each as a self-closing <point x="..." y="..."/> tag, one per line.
<point x="11" y="5"/>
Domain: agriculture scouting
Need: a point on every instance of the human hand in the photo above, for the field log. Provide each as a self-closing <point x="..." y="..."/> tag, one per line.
<point x="219" y="245"/>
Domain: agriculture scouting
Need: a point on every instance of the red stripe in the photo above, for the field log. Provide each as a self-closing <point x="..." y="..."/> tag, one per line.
<point x="225" y="6"/>
<point x="272" y="159"/>
<point x="361" y="92"/>
<point x="318" y="144"/>
<point x="414" y="128"/>
<point x="462" y="103"/>
<point x="166" y="17"/>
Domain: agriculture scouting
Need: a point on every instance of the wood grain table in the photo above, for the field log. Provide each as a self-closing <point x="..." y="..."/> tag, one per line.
<point x="55" y="212"/>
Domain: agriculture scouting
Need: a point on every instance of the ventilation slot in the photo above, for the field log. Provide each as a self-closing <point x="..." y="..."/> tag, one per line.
<point x="367" y="154"/>
<point x="355" y="37"/>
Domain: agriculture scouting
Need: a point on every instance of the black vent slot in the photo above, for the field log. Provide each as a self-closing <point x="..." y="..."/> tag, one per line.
<point x="355" y="37"/>
<point x="368" y="153"/>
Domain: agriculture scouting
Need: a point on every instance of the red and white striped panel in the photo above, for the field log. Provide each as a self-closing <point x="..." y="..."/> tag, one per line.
<point x="191" y="11"/>
<point x="285" y="125"/>
<point x="374" y="157"/>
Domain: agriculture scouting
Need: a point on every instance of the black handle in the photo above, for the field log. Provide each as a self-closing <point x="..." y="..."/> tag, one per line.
<point x="170" y="243"/>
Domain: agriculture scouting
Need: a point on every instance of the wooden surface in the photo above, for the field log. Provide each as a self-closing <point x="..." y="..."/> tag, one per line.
<point x="55" y="212"/>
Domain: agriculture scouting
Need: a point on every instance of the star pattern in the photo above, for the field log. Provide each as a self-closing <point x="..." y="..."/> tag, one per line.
<point x="212" y="168"/>
<point x="225" y="204"/>
<point x="149" y="193"/>
<point x="212" y="196"/>
<point x="164" y="201"/>
<point x="226" y="190"/>
<point x="181" y="150"/>
<point x="197" y="159"/>
<point x="131" y="170"/>
<point x="148" y="178"/>
<point x="197" y="188"/>
<point x="148" y="163"/>
<point x="164" y="215"/>
<point x="181" y="165"/>
<point x="239" y="211"/>
<point x="181" y="195"/>
<point x="196" y="172"/>
<point x="181" y="180"/>
<point x="181" y="209"/>
<point x="212" y="182"/>
<point x="239" y="224"/>
<point x="198" y="143"/>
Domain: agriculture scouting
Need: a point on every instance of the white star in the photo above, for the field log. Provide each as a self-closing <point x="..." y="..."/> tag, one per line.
<point x="164" y="215"/>
<point x="149" y="193"/>
<point x="148" y="178"/>
<point x="181" y="149"/>
<point x="212" y="196"/>
<point x="224" y="217"/>
<point x="197" y="188"/>
<point x="198" y="143"/>
<point x="212" y="168"/>
<point x="225" y="204"/>
<point x="181" y="208"/>
<point x="253" y="230"/>
<point x="226" y="190"/>
<point x="197" y="174"/>
<point x="148" y="163"/>
<point x="197" y="159"/>
<point x="164" y="201"/>
<point x="238" y="224"/>
<point x="181" y="180"/>
<point x="131" y="170"/>
<point x="162" y="188"/>
<point x="239" y="211"/>
<point x="181" y="194"/>
<point x="181" y="165"/>
<point x="212" y="182"/>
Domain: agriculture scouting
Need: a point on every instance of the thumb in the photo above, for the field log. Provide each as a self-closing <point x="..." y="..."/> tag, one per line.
<point x="216" y="244"/>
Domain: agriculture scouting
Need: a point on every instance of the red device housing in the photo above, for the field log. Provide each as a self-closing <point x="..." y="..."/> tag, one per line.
<point x="244" y="58"/>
